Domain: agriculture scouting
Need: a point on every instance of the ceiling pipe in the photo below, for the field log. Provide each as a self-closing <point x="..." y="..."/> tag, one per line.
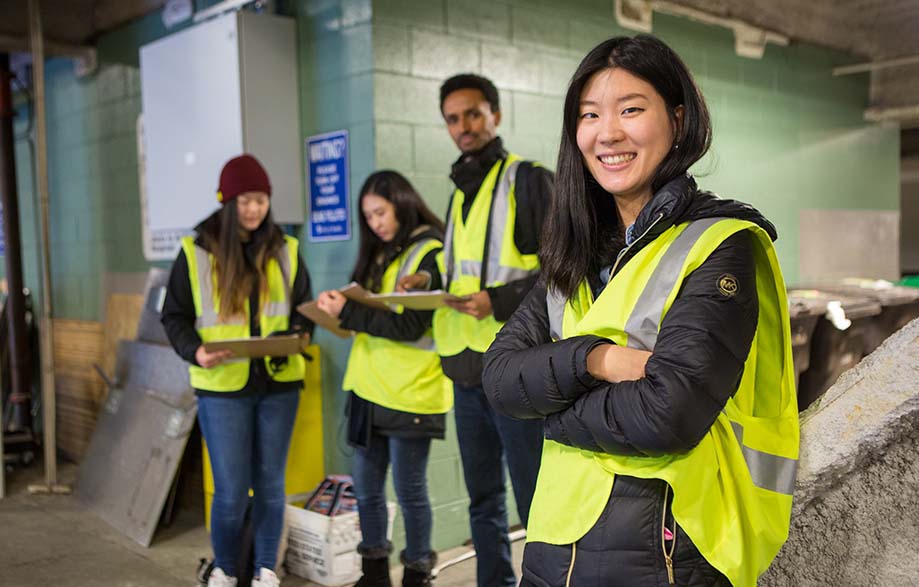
<point x="875" y="65"/>
<point x="893" y="114"/>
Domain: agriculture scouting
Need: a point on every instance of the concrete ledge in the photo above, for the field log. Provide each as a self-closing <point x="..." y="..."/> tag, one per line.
<point x="856" y="508"/>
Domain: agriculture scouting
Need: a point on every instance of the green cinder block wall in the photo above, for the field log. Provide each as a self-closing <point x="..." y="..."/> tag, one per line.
<point x="94" y="208"/>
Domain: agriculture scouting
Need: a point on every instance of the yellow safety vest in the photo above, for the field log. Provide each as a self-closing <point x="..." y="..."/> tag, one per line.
<point x="733" y="491"/>
<point x="274" y="317"/>
<point x="488" y="227"/>
<point x="404" y="376"/>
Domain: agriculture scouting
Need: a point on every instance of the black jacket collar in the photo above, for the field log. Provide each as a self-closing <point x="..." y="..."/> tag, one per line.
<point x="470" y="169"/>
<point x="680" y="200"/>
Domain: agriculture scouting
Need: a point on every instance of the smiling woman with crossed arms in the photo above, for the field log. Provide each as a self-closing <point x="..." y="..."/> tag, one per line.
<point x="656" y="347"/>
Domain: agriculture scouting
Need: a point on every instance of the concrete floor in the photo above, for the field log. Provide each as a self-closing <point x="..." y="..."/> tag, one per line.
<point x="53" y="540"/>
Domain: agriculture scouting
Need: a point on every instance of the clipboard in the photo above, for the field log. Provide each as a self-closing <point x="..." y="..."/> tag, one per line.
<point x="418" y="300"/>
<point x="415" y="300"/>
<point x="311" y="310"/>
<point x="269" y="346"/>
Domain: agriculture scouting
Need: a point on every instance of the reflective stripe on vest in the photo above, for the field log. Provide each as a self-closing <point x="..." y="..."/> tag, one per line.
<point x="208" y="316"/>
<point x="281" y="308"/>
<point x="770" y="472"/>
<point x="399" y="375"/>
<point x="410" y="265"/>
<point x="413" y="257"/>
<point x="733" y="490"/>
<point x="645" y="320"/>
<point x="497" y="220"/>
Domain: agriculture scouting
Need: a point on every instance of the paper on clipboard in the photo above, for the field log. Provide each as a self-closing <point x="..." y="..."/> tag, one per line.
<point x="354" y="292"/>
<point x="418" y="300"/>
<point x="311" y="310"/>
<point x="269" y="346"/>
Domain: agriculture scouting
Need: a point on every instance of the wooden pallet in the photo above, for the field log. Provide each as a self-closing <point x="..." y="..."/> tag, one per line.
<point x="78" y="345"/>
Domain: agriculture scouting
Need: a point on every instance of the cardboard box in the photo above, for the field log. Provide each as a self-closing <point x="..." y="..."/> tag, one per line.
<point x="323" y="549"/>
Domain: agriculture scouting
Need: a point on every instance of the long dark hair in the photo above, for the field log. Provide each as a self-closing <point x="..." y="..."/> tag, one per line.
<point x="237" y="273"/>
<point x="582" y="231"/>
<point x="411" y="212"/>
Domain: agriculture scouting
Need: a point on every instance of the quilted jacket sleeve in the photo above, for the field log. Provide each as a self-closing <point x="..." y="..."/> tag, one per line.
<point x="527" y="375"/>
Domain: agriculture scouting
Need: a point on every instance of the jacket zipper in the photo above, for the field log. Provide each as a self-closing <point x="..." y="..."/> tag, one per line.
<point x="574" y="551"/>
<point x="634" y="242"/>
<point x="668" y="556"/>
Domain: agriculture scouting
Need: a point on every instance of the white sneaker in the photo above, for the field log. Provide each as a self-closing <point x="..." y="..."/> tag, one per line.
<point x="219" y="579"/>
<point x="266" y="578"/>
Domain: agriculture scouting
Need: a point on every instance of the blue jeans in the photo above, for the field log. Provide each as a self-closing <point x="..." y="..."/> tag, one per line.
<point x="247" y="440"/>
<point x="487" y="440"/>
<point x="409" y="457"/>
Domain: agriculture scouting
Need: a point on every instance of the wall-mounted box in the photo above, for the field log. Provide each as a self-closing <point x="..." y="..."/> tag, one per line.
<point x="213" y="91"/>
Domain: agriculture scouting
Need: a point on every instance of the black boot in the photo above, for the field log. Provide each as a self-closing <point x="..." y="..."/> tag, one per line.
<point x="418" y="573"/>
<point x="413" y="578"/>
<point x="376" y="573"/>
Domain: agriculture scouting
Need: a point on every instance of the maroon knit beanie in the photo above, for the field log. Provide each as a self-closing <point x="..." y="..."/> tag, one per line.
<point x="240" y="175"/>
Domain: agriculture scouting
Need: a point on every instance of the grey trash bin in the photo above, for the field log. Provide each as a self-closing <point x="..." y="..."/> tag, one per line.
<point x="804" y="314"/>
<point x="838" y="341"/>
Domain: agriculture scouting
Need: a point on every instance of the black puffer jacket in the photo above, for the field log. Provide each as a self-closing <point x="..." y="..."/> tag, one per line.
<point x="694" y="369"/>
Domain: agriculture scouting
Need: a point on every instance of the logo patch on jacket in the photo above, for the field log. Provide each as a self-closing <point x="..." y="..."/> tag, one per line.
<point x="727" y="284"/>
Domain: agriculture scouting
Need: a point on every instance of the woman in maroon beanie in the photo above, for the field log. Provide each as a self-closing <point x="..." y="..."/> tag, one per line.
<point x="241" y="276"/>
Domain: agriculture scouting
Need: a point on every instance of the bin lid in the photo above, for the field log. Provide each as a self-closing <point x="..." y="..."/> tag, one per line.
<point x="885" y="292"/>
<point x="853" y="304"/>
<point x="804" y="307"/>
